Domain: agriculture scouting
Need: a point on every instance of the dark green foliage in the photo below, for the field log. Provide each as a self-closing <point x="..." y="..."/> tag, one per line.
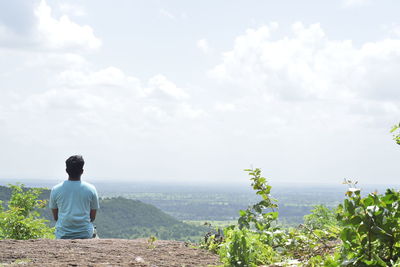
<point x="21" y="218"/>
<point x="132" y="210"/>
<point x="371" y="227"/>
<point x="125" y="218"/>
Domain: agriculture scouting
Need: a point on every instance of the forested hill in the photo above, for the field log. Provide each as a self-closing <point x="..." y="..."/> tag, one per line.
<point x="125" y="218"/>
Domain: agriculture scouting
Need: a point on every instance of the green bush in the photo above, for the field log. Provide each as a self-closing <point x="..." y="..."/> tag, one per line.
<point x="321" y="217"/>
<point x="245" y="248"/>
<point x="369" y="228"/>
<point x="371" y="233"/>
<point x="261" y="215"/>
<point x="259" y="240"/>
<point x="21" y="219"/>
<point x="326" y="261"/>
<point x="251" y="242"/>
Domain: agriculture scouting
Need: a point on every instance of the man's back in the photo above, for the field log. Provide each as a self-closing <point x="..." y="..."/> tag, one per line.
<point x="74" y="201"/>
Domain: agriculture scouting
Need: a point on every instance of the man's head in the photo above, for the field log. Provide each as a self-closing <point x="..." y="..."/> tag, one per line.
<point x="75" y="166"/>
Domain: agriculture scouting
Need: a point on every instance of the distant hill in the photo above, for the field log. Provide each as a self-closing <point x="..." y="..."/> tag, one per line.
<point x="125" y="218"/>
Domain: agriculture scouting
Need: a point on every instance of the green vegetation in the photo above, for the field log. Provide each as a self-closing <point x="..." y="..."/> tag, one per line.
<point x="243" y="247"/>
<point x="219" y="224"/>
<point x="396" y="133"/>
<point x="251" y="242"/>
<point x="117" y="218"/>
<point x="371" y="227"/>
<point x="322" y="218"/>
<point x="20" y="220"/>
<point x="254" y="215"/>
<point x="125" y="218"/>
<point x="223" y="205"/>
<point x="360" y="232"/>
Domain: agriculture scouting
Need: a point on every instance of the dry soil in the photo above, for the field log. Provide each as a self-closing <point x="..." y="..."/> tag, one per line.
<point x="103" y="252"/>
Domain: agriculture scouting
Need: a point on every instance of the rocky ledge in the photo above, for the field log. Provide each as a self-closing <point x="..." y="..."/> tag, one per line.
<point x="103" y="252"/>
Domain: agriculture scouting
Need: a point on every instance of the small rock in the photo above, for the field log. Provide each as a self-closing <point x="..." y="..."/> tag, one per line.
<point x="139" y="259"/>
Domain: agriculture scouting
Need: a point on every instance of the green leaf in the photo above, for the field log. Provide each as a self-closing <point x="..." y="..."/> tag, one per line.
<point x="356" y="220"/>
<point x="394" y="128"/>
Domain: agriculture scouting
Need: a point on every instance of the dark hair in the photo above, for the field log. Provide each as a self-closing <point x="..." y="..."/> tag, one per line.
<point x="75" y="165"/>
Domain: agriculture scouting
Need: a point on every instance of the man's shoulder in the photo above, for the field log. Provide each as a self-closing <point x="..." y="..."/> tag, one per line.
<point x="88" y="185"/>
<point x="57" y="186"/>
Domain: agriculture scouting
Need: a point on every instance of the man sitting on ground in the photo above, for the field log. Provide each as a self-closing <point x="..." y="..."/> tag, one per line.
<point x="74" y="203"/>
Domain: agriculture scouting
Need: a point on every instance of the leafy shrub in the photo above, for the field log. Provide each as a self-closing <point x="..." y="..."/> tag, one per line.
<point x="369" y="228"/>
<point x="321" y="217"/>
<point x="259" y="240"/>
<point x="321" y="225"/>
<point x="21" y="219"/>
<point x="324" y="260"/>
<point x="371" y="233"/>
<point x="250" y="243"/>
<point x="245" y="248"/>
<point x="262" y="214"/>
<point x="212" y="239"/>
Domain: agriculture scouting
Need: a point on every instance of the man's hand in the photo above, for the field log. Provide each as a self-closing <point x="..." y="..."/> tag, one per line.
<point x="92" y="215"/>
<point x="55" y="214"/>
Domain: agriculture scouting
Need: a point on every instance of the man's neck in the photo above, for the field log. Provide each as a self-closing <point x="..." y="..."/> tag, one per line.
<point x="74" y="178"/>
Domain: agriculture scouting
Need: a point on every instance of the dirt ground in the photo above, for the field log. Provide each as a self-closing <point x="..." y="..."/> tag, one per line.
<point x="103" y="252"/>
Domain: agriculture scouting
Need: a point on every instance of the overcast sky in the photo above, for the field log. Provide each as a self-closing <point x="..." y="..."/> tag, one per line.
<point x="196" y="91"/>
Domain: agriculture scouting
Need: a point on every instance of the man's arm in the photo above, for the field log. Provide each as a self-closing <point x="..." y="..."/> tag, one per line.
<point x="94" y="205"/>
<point x="55" y="214"/>
<point x="92" y="215"/>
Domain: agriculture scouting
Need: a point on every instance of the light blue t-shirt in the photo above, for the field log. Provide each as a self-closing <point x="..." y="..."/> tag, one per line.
<point x="74" y="200"/>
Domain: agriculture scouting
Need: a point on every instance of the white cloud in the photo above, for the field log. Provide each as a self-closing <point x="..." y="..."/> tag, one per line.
<point x="298" y="100"/>
<point x="47" y="33"/>
<point x="160" y="86"/>
<point x="202" y="44"/>
<point x="74" y="10"/>
<point x="63" y="33"/>
<point x="305" y="94"/>
<point x="98" y="94"/>
<point x="308" y="65"/>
